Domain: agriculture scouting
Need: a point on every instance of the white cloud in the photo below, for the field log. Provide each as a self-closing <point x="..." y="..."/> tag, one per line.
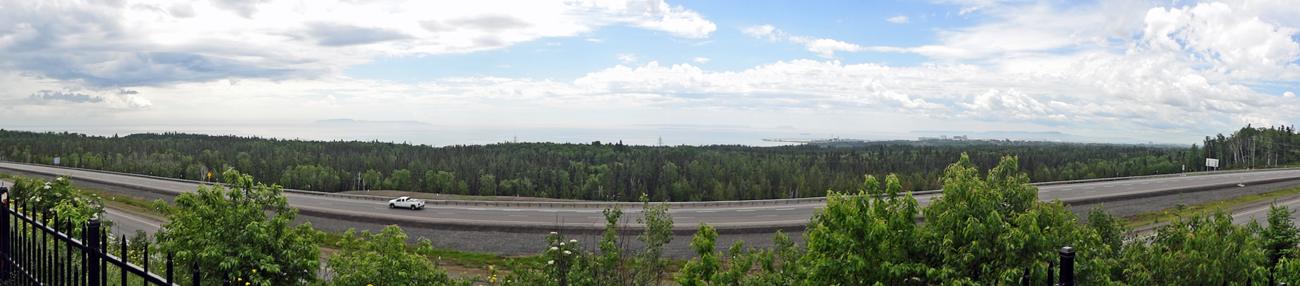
<point x="700" y="60"/>
<point x="154" y="42"/>
<point x="900" y="19"/>
<point x="767" y="32"/>
<point x="1235" y="44"/>
<point x="627" y="58"/>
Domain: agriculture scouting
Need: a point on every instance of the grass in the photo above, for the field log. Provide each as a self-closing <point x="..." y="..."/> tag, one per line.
<point x="1144" y="219"/>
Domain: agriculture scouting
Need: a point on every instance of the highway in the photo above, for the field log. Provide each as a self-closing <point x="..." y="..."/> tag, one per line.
<point x="506" y="218"/>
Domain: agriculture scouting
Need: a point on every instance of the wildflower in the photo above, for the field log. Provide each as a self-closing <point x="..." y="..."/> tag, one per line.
<point x="573" y="241"/>
<point x="490" y="267"/>
<point x="553" y="232"/>
<point x="550" y="262"/>
<point x="566" y="252"/>
<point x="47" y="186"/>
<point x="254" y="270"/>
<point x="561" y="244"/>
<point x="247" y="283"/>
<point x="555" y="248"/>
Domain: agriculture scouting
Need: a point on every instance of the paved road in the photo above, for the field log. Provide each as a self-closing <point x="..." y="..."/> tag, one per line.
<point x="126" y="223"/>
<point x="686" y="218"/>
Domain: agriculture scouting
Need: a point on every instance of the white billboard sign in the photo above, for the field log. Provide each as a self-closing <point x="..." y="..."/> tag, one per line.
<point x="1211" y="162"/>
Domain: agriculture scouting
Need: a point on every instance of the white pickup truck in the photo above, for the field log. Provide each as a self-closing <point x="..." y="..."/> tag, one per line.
<point x="406" y="203"/>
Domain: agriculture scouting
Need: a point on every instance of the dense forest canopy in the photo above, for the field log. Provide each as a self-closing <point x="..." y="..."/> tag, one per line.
<point x="620" y="172"/>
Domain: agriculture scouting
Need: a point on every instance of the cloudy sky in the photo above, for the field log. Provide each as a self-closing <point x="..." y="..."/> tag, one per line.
<point x="697" y="72"/>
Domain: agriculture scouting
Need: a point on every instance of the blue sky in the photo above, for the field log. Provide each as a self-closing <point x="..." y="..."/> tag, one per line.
<point x="692" y="72"/>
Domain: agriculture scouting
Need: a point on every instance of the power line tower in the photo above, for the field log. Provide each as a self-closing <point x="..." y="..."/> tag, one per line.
<point x="661" y="141"/>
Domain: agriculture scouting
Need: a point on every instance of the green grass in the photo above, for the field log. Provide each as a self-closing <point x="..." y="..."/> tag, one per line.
<point x="1143" y="219"/>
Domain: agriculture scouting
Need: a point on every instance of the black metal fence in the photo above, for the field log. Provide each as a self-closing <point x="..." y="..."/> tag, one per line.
<point x="41" y="249"/>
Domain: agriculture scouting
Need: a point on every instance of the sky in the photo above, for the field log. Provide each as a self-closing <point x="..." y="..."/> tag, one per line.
<point x="681" y="72"/>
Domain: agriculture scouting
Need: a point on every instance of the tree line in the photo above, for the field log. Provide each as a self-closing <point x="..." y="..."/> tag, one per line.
<point x="618" y="172"/>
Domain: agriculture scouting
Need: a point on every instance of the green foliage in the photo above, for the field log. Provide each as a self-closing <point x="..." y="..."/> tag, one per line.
<point x="1280" y="238"/>
<point x="57" y="199"/>
<point x="1199" y="250"/>
<point x="225" y="228"/>
<point x="658" y="232"/>
<point x="867" y="237"/>
<point x="383" y="259"/>
<point x="702" y="270"/>
<point x="981" y="231"/>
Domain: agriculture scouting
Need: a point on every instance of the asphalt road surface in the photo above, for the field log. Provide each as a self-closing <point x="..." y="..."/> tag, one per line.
<point x="686" y="218"/>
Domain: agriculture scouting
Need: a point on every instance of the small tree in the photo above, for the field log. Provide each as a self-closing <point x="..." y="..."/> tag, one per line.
<point x="383" y="259"/>
<point x="1279" y="238"/>
<point x="658" y="232"/>
<point x="225" y="229"/>
<point x="1199" y="250"/>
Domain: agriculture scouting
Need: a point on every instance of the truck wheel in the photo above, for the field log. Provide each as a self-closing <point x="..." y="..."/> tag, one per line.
<point x="391" y="206"/>
<point x="412" y="206"/>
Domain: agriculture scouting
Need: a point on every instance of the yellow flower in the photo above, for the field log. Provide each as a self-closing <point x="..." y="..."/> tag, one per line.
<point x="246" y="283"/>
<point x="490" y="267"/>
<point x="254" y="270"/>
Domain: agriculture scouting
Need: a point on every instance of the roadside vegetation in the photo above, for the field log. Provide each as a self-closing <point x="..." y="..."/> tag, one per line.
<point x="988" y="228"/>
<point x="617" y="172"/>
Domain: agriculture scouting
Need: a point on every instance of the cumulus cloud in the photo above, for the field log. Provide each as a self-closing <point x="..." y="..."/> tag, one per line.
<point x="1236" y="44"/>
<point x="900" y="19"/>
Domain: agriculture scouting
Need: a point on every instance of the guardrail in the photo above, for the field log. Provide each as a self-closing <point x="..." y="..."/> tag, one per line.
<point x="629" y="204"/>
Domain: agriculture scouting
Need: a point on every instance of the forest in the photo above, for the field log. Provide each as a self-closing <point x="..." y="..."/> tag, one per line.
<point x="618" y="172"/>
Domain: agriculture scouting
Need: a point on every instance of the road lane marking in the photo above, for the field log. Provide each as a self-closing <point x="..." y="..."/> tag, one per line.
<point x="548" y="211"/>
<point x="766" y="215"/>
<point x="706" y="211"/>
<point x="509" y="210"/>
<point x="519" y="215"/>
<point x="477" y="209"/>
<point x="785" y="209"/>
<point x="744" y="210"/>
<point x="446" y="213"/>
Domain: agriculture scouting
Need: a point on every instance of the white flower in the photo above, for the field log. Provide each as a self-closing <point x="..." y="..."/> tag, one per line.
<point x="555" y="248"/>
<point x="553" y="232"/>
<point x="550" y="262"/>
<point x="561" y="244"/>
<point x="59" y="178"/>
<point x="573" y="241"/>
<point x="47" y="186"/>
<point x="566" y="252"/>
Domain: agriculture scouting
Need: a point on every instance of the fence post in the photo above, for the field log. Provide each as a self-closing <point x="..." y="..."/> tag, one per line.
<point x="1067" y="266"/>
<point x="92" y="230"/>
<point x="1024" y="278"/>
<point x="194" y="273"/>
<point x="4" y="238"/>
